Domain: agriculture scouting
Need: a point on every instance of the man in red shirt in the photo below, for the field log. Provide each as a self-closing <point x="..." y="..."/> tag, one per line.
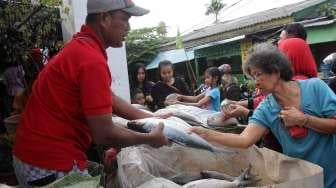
<point x="71" y="103"/>
<point x="293" y="44"/>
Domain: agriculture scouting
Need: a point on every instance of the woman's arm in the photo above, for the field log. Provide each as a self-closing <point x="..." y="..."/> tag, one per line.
<point x="323" y="125"/>
<point x="193" y="99"/>
<point x="199" y="104"/>
<point x="251" y="134"/>
<point x="291" y="117"/>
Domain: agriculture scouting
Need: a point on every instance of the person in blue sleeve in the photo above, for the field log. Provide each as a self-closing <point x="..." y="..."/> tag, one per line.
<point x="301" y="114"/>
<point x="210" y="98"/>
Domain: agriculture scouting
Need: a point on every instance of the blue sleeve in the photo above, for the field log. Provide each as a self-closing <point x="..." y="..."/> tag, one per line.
<point x="259" y="116"/>
<point x="214" y="93"/>
<point x="326" y="98"/>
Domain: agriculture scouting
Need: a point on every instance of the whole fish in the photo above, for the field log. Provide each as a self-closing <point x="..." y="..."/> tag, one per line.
<point x="183" y="114"/>
<point x="220" y="180"/>
<point x="171" y="97"/>
<point x="177" y="132"/>
<point x="218" y="119"/>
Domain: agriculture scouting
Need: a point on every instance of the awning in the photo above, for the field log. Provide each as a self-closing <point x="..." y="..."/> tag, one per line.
<point x="175" y="56"/>
<point x="225" y="48"/>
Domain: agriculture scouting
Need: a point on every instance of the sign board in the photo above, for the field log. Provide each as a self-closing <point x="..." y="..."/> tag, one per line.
<point x="116" y="56"/>
<point x="245" y="45"/>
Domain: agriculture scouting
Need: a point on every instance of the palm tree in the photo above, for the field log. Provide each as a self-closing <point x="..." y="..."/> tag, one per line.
<point x="214" y="8"/>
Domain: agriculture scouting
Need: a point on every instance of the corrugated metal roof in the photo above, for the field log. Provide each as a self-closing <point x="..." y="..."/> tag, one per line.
<point x="260" y="17"/>
<point x="175" y="56"/>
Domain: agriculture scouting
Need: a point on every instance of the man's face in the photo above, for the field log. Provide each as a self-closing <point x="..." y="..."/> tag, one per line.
<point x="116" y="28"/>
<point x="283" y="36"/>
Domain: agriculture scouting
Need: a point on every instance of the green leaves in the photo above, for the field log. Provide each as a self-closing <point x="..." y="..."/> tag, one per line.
<point x="142" y="44"/>
<point x="328" y="10"/>
<point x="25" y="25"/>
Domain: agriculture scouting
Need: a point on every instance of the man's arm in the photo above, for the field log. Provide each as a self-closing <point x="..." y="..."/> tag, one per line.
<point x="126" y="110"/>
<point x="104" y="132"/>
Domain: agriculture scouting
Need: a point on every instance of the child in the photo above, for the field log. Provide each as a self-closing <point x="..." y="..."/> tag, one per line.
<point x="138" y="97"/>
<point x="210" y="98"/>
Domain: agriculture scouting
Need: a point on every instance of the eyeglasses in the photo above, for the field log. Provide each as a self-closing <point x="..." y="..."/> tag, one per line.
<point x="257" y="75"/>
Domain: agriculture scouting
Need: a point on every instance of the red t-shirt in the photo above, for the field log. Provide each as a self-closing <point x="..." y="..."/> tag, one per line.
<point x="300" y="56"/>
<point x="53" y="133"/>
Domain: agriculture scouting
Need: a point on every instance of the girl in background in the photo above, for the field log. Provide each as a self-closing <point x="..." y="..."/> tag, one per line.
<point x="139" y="81"/>
<point x="167" y="84"/>
<point x="210" y="98"/>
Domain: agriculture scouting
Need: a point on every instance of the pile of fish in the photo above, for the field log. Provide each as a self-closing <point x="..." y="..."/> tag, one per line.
<point x="176" y="130"/>
<point x="200" y="117"/>
<point x="216" y="179"/>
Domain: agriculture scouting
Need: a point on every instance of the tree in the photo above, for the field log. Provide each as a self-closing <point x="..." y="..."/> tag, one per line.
<point x="162" y="29"/>
<point x="328" y="10"/>
<point x="142" y="44"/>
<point x="25" y="25"/>
<point x="214" y="7"/>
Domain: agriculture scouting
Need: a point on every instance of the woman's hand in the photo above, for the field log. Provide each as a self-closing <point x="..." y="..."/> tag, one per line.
<point x="179" y="97"/>
<point x="202" y="132"/>
<point x="235" y="110"/>
<point x="291" y="116"/>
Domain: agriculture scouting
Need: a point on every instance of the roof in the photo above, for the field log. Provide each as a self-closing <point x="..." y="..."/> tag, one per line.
<point x="220" y="42"/>
<point x="175" y="56"/>
<point x="249" y="20"/>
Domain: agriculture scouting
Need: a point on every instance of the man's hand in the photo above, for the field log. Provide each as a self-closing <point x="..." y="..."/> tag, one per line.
<point x="158" y="139"/>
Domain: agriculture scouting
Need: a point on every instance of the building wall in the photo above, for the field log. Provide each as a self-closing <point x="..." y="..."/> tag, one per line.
<point x="321" y="34"/>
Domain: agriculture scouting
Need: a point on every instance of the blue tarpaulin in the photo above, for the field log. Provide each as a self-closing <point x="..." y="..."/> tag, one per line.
<point x="175" y="56"/>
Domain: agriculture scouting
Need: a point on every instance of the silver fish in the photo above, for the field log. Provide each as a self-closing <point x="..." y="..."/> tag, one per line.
<point x="220" y="180"/>
<point x="176" y="131"/>
<point x="218" y="119"/>
<point x="171" y="97"/>
<point x="183" y="114"/>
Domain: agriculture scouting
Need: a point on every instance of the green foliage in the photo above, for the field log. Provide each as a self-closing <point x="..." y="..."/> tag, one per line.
<point x="25" y="25"/>
<point x="214" y="7"/>
<point x="76" y="180"/>
<point x="162" y="29"/>
<point x="142" y="44"/>
<point x="328" y="10"/>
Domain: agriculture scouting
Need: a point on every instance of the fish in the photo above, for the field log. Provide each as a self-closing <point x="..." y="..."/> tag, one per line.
<point x="220" y="180"/>
<point x="184" y="178"/>
<point x="219" y="119"/>
<point x="184" y="115"/>
<point x="176" y="130"/>
<point x="171" y="97"/>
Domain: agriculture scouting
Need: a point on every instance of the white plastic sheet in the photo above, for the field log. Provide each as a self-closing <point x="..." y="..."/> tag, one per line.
<point x="146" y="167"/>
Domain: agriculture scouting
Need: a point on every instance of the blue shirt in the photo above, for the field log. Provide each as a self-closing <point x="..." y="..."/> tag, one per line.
<point x="214" y="103"/>
<point x="317" y="99"/>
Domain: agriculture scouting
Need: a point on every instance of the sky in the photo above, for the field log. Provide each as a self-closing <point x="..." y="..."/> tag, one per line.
<point x="188" y="15"/>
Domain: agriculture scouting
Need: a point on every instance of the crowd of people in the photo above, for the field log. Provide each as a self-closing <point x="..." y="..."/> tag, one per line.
<point x="70" y="103"/>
